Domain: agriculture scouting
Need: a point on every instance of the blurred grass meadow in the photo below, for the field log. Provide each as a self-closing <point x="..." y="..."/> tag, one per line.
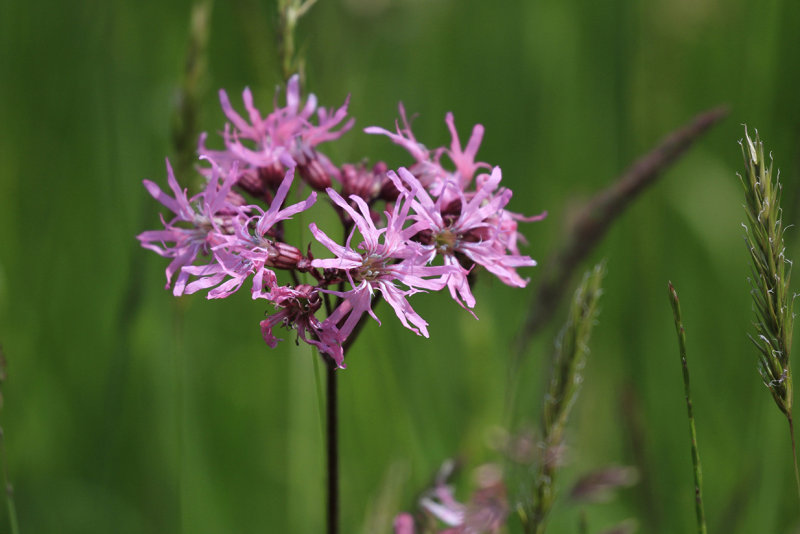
<point x="127" y="410"/>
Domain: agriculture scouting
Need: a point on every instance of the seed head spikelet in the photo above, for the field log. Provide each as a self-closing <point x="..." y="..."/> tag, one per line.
<point x="769" y="281"/>
<point x="770" y="273"/>
<point x="572" y="347"/>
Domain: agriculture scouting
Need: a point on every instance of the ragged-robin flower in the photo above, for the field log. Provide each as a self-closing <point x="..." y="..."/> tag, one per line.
<point x="386" y="257"/>
<point x="266" y="146"/>
<point x="469" y="228"/>
<point x="200" y="223"/>
<point x="251" y="249"/>
<point x="428" y="167"/>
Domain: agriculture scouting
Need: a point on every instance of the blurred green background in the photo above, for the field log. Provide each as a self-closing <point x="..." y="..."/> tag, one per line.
<point x="126" y="410"/>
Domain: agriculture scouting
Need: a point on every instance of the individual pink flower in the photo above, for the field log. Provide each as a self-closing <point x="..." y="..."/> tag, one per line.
<point x="266" y="146"/>
<point x="428" y="167"/>
<point x="200" y="223"/>
<point x="251" y="250"/>
<point x="464" y="160"/>
<point x="387" y="257"/>
<point x="506" y="221"/>
<point x="470" y="225"/>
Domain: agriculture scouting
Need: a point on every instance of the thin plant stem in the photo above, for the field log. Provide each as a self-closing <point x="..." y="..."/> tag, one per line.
<point x="698" y="473"/>
<point x="289" y="13"/>
<point x="583" y="523"/>
<point x="794" y="453"/>
<point x="333" y="450"/>
<point x="186" y="118"/>
<point x="320" y="395"/>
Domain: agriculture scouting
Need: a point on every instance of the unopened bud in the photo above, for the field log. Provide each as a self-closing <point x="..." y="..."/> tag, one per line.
<point x="284" y="256"/>
<point x="272" y="175"/>
<point x="259" y="182"/>
<point x="315" y="174"/>
<point x="359" y="181"/>
<point x="235" y="199"/>
<point x="389" y="191"/>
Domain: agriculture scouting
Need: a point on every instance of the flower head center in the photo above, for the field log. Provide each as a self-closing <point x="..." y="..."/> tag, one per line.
<point x="446" y="241"/>
<point x="371" y="268"/>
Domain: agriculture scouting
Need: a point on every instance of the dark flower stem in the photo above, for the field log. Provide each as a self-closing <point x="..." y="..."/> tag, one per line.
<point x="698" y="472"/>
<point x="332" y="413"/>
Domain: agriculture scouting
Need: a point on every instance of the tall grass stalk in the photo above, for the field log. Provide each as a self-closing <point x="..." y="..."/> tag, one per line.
<point x="769" y="281"/>
<point x="289" y="13"/>
<point x="698" y="472"/>
<point x="186" y="119"/>
<point x="569" y="360"/>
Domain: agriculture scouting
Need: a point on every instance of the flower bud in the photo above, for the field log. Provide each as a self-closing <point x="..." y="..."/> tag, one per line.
<point x="389" y="191"/>
<point x="258" y="182"/>
<point x="314" y="174"/>
<point x="357" y="180"/>
<point x="284" y="256"/>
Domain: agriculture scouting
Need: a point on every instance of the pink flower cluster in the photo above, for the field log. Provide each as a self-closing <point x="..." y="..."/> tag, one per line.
<point x="436" y="225"/>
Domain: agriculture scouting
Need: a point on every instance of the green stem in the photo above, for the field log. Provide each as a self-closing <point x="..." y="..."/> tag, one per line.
<point x="794" y="453"/>
<point x="572" y="347"/>
<point x="698" y="473"/>
<point x="289" y="12"/>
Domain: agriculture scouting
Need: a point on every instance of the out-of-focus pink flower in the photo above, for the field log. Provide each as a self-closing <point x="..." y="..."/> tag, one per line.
<point x="443" y="505"/>
<point x="485" y="512"/>
<point x="200" y="223"/>
<point x="266" y="146"/>
<point x="387" y="256"/>
<point x="404" y="524"/>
